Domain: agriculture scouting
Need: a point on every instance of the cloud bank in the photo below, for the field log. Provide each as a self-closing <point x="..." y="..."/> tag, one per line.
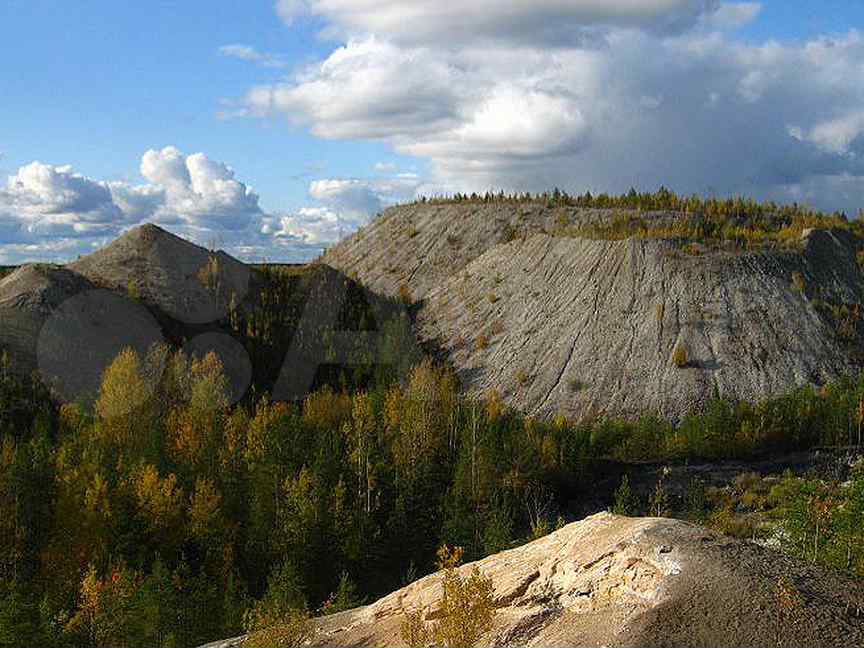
<point x="587" y="94"/>
<point x="53" y="213"/>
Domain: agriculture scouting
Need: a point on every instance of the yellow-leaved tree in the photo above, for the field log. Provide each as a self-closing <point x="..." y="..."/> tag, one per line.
<point x="106" y="606"/>
<point x="419" y="419"/>
<point x="124" y="417"/>
<point x="195" y="427"/>
<point x="160" y="503"/>
<point x="204" y="510"/>
<point x="466" y="610"/>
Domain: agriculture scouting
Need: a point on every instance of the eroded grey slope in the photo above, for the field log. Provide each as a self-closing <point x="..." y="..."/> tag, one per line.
<point x="420" y="245"/>
<point x="588" y="327"/>
<point x="561" y="325"/>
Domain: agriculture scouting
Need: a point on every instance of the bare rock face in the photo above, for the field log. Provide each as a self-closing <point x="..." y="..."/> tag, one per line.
<point x="565" y="325"/>
<point x="615" y="581"/>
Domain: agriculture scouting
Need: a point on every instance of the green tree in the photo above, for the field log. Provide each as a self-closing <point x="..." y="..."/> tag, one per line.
<point x="344" y="598"/>
<point x="280" y="619"/>
<point x="156" y="620"/>
<point x="19" y="618"/>
<point x="625" y="500"/>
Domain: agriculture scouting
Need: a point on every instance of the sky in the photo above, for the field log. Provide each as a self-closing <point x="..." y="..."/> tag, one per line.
<point x="272" y="129"/>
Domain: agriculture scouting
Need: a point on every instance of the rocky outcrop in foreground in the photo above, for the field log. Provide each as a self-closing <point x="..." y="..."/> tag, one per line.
<point x="615" y="581"/>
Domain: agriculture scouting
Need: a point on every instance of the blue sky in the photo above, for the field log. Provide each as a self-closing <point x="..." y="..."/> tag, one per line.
<point x="95" y="84"/>
<point x="396" y="99"/>
<point x="803" y="19"/>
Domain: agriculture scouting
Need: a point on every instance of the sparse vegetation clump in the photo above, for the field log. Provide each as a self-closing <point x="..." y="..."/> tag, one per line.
<point x="510" y="233"/>
<point x="210" y="276"/>
<point x="799" y="283"/>
<point x="575" y="385"/>
<point x="739" y="221"/>
<point x="789" y="611"/>
<point x="133" y="290"/>
<point x="406" y="295"/>
<point x="680" y="357"/>
<point x="271" y="629"/>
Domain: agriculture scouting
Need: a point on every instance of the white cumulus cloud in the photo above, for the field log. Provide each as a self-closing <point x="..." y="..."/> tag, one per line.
<point x="198" y="191"/>
<point x="50" y="212"/>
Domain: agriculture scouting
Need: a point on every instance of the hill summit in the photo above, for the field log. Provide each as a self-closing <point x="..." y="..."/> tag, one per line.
<point x="186" y="281"/>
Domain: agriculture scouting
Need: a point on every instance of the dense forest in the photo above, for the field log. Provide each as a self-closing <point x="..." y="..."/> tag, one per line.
<point x="161" y="515"/>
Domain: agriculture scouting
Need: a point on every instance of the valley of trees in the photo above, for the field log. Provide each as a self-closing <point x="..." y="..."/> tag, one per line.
<point x="161" y="515"/>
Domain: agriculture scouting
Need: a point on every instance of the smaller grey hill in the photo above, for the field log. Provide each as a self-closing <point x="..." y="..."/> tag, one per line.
<point x="28" y="296"/>
<point x="40" y="287"/>
<point x="70" y="321"/>
<point x="187" y="282"/>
